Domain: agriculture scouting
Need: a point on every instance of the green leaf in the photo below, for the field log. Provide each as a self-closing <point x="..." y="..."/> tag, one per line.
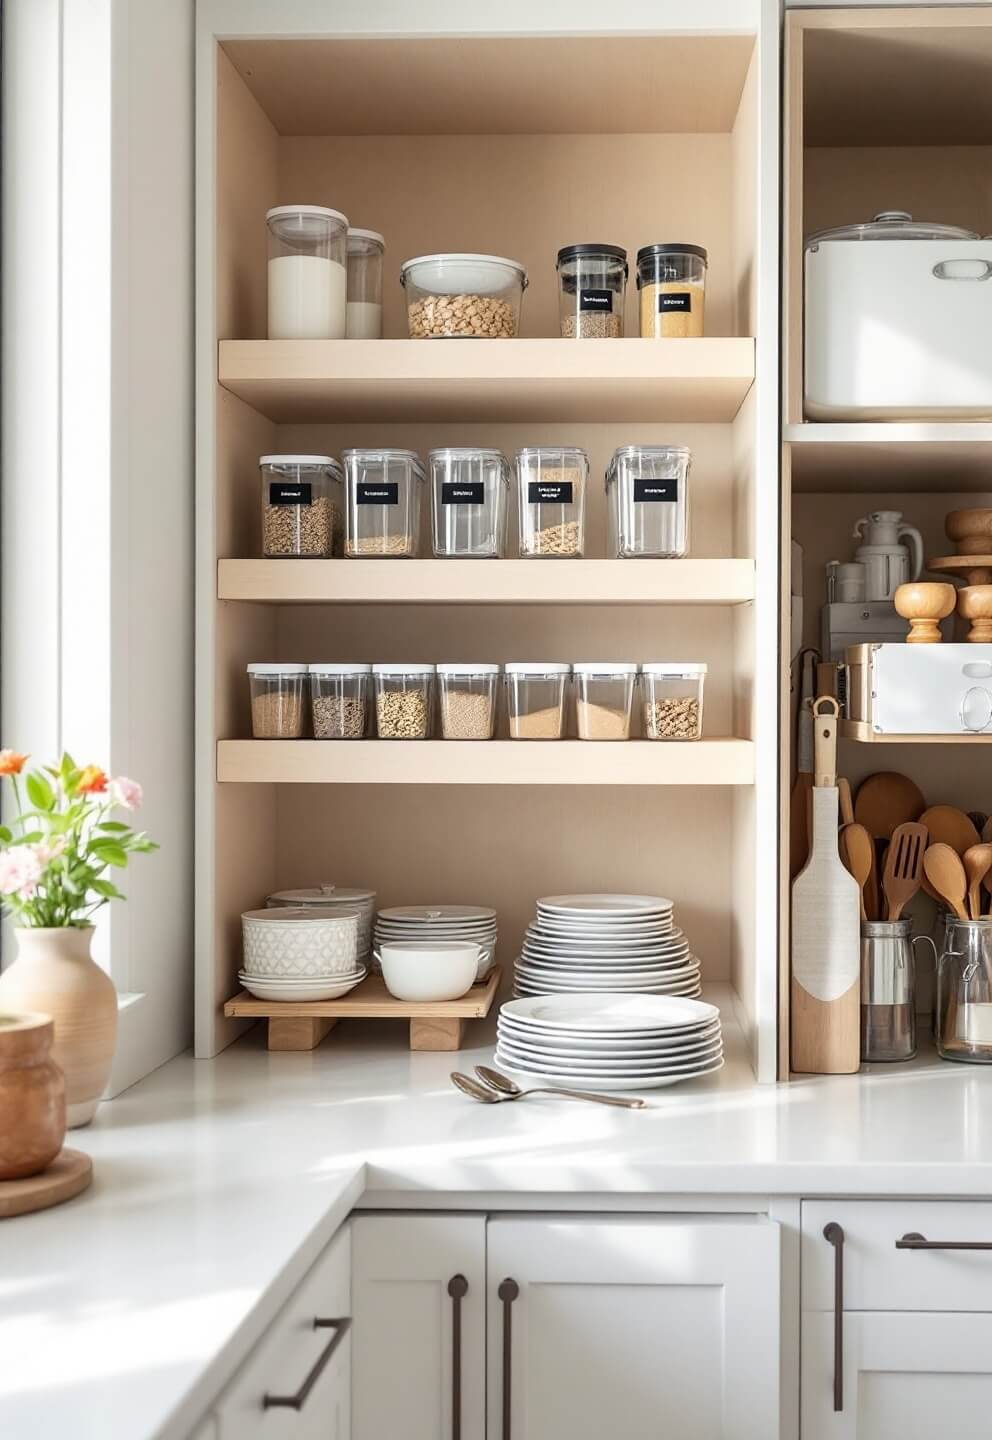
<point x="117" y="826"/>
<point x="5" y="835"/>
<point x="32" y="837"/>
<point x="109" y="852"/>
<point x="40" y="793"/>
<point x="108" y="891"/>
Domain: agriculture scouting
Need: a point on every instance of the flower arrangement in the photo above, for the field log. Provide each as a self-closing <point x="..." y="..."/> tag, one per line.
<point x="55" y="858"/>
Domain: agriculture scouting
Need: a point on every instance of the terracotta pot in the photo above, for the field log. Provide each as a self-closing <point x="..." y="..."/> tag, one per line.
<point x="32" y="1096"/>
<point x="55" y="973"/>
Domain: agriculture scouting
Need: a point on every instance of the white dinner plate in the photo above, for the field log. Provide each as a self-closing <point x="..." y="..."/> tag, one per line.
<point x="557" y="923"/>
<point x="613" y="1083"/>
<point x="607" y="1044"/>
<point x="591" y="980"/>
<point x="602" y="974"/>
<point x="593" y="1052"/>
<point x="330" y="989"/>
<point x="697" y="1058"/>
<point x="635" y="960"/>
<point x="690" y="990"/>
<point x="599" y="1012"/>
<point x="605" y="904"/>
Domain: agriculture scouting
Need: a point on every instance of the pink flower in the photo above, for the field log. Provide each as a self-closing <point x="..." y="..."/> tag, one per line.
<point x="126" y="792"/>
<point x="20" y="870"/>
<point x="49" y="850"/>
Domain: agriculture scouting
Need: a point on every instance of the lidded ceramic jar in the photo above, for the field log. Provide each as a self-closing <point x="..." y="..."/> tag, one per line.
<point x="32" y="1096"/>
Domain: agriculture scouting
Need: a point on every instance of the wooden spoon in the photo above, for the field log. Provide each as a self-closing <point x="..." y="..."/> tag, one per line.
<point x="886" y="800"/>
<point x="977" y="863"/>
<point x="857" y="850"/>
<point x="987" y="831"/>
<point x="947" y="825"/>
<point x="904" y="867"/>
<point x="945" y="872"/>
<point x="846" y="801"/>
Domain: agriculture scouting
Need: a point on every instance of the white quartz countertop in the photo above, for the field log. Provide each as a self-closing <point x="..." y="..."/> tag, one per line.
<point x="217" y="1183"/>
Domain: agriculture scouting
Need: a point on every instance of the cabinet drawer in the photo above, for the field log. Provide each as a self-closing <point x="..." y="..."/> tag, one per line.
<point x="880" y="1276"/>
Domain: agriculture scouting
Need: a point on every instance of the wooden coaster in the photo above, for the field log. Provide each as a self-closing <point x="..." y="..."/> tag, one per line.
<point x="69" y="1174"/>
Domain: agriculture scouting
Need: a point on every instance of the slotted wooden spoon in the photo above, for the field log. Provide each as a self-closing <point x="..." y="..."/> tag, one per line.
<point x="977" y="863"/>
<point x="857" y="850"/>
<point x="904" y="867"/>
<point x="945" y="871"/>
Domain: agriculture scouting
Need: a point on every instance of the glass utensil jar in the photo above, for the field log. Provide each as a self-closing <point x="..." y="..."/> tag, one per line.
<point x="671" y="284"/>
<point x="469" y="502"/>
<point x="592" y="287"/>
<point x="672" y="700"/>
<point x="551" y="481"/>
<point x="382" y="503"/>
<point x="536" y="692"/>
<point x="604" y="698"/>
<point x="339" y="696"/>
<point x="403" y="696"/>
<point x="302" y="506"/>
<point x="307" y="279"/>
<point x="648" y="501"/>
<point x="964" y="991"/>
<point x="364" y="309"/>
<point x="277" y="701"/>
<point x="467" y="701"/>
<point x="888" y="991"/>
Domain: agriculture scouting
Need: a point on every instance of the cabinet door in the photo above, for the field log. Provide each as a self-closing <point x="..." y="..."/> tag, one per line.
<point x="634" y="1328"/>
<point x="906" y="1376"/>
<point x="417" y="1347"/>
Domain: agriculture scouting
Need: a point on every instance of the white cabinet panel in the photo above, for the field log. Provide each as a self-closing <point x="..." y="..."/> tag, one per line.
<point x="404" y="1332"/>
<point x="631" y="1328"/>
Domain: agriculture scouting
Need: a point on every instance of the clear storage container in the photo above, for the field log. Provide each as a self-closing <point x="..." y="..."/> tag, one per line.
<point x="469" y="495"/>
<point x="364" y="312"/>
<point x="277" y="701"/>
<point x="672" y="700"/>
<point x="604" y="699"/>
<point x="648" y="501"/>
<point x="307" y="278"/>
<point x="552" y="481"/>
<point x="467" y="701"/>
<point x="671" y="285"/>
<point x="463" y="296"/>
<point x="403" y="698"/>
<point x="382" y="503"/>
<point x="302" y="506"/>
<point x="592" y="288"/>
<point x="536" y="695"/>
<point x="339" y="701"/>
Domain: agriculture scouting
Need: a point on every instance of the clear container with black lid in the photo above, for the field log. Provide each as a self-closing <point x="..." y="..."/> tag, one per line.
<point x="592" y="288"/>
<point x="671" y="284"/>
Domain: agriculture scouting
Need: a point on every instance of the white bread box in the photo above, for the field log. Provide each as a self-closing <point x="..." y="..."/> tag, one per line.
<point x="918" y="690"/>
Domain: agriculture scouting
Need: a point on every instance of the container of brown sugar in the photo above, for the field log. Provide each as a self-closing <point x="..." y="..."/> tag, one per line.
<point x="551" y="481"/>
<point x="671" y="286"/>
<point x="277" y="700"/>
<point x="467" y="701"/>
<point x="672" y="700"/>
<point x="604" y="698"/>
<point x="536" y="696"/>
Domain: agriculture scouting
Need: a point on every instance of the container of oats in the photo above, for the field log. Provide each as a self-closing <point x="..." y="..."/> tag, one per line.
<point x="647" y="494"/>
<point x="536" y="697"/>
<point x="592" y="288"/>
<point x="277" y="700"/>
<point x="403" y="698"/>
<point x="467" y="701"/>
<point x="302" y="506"/>
<point x="463" y="296"/>
<point x="672" y="700"/>
<point x="551" y="483"/>
<point x="383" y="491"/>
<point x="604" y="699"/>
<point x="671" y="285"/>
<point x="339" y="700"/>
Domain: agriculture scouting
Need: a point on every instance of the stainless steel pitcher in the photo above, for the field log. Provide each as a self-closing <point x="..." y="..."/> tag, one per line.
<point x="888" y="991"/>
<point x="964" y="991"/>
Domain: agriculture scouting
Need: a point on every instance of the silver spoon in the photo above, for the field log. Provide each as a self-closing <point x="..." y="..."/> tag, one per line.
<point x="508" y="1089"/>
<point x="468" y="1086"/>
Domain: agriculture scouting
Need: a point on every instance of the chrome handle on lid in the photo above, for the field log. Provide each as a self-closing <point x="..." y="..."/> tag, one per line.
<point x="973" y="268"/>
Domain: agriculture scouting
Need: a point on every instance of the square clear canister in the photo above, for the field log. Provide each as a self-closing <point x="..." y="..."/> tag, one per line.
<point x="647" y="492"/>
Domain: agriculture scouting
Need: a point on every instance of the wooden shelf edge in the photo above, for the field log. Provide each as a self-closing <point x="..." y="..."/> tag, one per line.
<point x="861" y="731"/>
<point x="371" y="1001"/>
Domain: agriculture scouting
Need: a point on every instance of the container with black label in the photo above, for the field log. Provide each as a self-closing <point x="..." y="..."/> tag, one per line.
<point x="671" y="283"/>
<point x="551" y="486"/>
<point x="302" y="506"/>
<point x="592" y="287"/>
<point x="382" y="503"/>
<point x="469" y="493"/>
<point x="648" y="501"/>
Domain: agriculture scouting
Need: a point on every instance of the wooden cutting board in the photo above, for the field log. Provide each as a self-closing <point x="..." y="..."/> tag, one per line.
<point x="826" y="930"/>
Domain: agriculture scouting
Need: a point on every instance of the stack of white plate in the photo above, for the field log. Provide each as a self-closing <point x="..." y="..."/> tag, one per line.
<point x="441" y="922"/>
<point x="619" y="943"/>
<point x="610" y="1042"/>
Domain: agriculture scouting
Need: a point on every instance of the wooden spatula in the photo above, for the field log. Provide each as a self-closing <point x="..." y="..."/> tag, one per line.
<point x="944" y="869"/>
<point x="977" y="863"/>
<point x="846" y="801"/>
<point x="904" y="867"/>
<point x="857" y="850"/>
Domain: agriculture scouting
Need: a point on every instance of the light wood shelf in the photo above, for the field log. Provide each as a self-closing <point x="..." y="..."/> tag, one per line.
<point x="484" y="380"/>
<point x="891" y="457"/>
<point x="861" y="731"/>
<point x="487" y="762"/>
<point x="498" y="582"/>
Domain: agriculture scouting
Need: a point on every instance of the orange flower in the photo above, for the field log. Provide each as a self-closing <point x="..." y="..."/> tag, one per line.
<point x="11" y="762"/>
<point x="92" y="781"/>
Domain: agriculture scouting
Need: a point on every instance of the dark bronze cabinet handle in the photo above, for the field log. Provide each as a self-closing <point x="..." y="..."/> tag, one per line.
<point x="508" y="1292"/>
<point x="915" y="1241"/>
<point x="457" y="1289"/>
<point x="297" y="1401"/>
<point x="835" y="1234"/>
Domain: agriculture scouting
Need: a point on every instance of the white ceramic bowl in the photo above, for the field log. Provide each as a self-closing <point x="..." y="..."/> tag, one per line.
<point x="307" y="942"/>
<point x="429" y="971"/>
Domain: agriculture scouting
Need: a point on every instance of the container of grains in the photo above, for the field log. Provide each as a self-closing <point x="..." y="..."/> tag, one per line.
<point x="592" y="288"/>
<point x="339" y="701"/>
<point x="604" y="699"/>
<point x="469" y="502"/>
<point x="382" y="503"/>
<point x="307" y="279"/>
<point x="467" y="701"/>
<point x="551" y="481"/>
<point x="671" y="284"/>
<point x="648" y="501"/>
<point x="302" y="506"/>
<point x="463" y="296"/>
<point x="277" y="701"/>
<point x="365" y="252"/>
<point x="403" y="696"/>
<point x="672" y="700"/>
<point x="536" y="695"/>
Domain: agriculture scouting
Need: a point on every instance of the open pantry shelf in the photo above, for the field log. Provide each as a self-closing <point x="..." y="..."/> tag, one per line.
<point x="863" y="733"/>
<point x="890" y="456"/>
<point x="502" y="582"/>
<point x="488" y="762"/>
<point x="519" y="380"/>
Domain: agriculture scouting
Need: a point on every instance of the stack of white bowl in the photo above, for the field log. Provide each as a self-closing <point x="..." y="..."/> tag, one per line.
<point x="441" y="922"/>
<point x="335" y="897"/>
<point x="307" y="953"/>
<point x="606" y="942"/>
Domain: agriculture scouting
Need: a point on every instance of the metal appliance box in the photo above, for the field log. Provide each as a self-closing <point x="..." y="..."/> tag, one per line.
<point x="896" y="690"/>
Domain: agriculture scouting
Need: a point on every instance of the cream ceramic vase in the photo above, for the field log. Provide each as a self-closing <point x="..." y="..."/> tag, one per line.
<point x="55" y="973"/>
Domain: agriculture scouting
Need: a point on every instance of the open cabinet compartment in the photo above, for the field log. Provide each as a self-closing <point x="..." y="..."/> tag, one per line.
<point x="467" y="144"/>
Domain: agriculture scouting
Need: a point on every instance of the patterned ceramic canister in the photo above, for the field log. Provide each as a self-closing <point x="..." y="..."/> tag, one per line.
<point x="305" y="942"/>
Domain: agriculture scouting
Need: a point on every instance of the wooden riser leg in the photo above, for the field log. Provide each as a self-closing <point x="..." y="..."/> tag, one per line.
<point x="436" y="1034"/>
<point x="299" y="1032"/>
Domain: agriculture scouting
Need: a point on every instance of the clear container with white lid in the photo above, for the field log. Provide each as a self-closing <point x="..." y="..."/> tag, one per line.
<point x="551" y="482"/>
<point x="467" y="700"/>
<point x="339" y="700"/>
<point x="403" y="700"/>
<point x="302" y="506"/>
<point x="463" y="296"/>
<point x="307" y="277"/>
<point x="604" y="698"/>
<point x="647" y="489"/>
<point x="382" y="503"/>
<point x="469" y="502"/>
<point x="672" y="700"/>
<point x="277" y="700"/>
<point x="592" y="288"/>
<point x="536" y="696"/>
<point x="364" y="316"/>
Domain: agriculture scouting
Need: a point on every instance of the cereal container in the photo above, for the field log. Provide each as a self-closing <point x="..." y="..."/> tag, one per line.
<point x="302" y="506"/>
<point x="403" y="697"/>
<point x="648" y="501"/>
<point x="463" y="296"/>
<point x="277" y="701"/>
<point x="467" y="701"/>
<point x="604" y="699"/>
<point x="536" y="694"/>
<point x="671" y="284"/>
<point x="382" y="503"/>
<point x="672" y="700"/>
<point x="307" y="279"/>
<point x="365" y="252"/>
<point x="339" y="701"/>
<point x="592" y="288"/>
<point x="551" y="481"/>
<point x="469" y="502"/>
